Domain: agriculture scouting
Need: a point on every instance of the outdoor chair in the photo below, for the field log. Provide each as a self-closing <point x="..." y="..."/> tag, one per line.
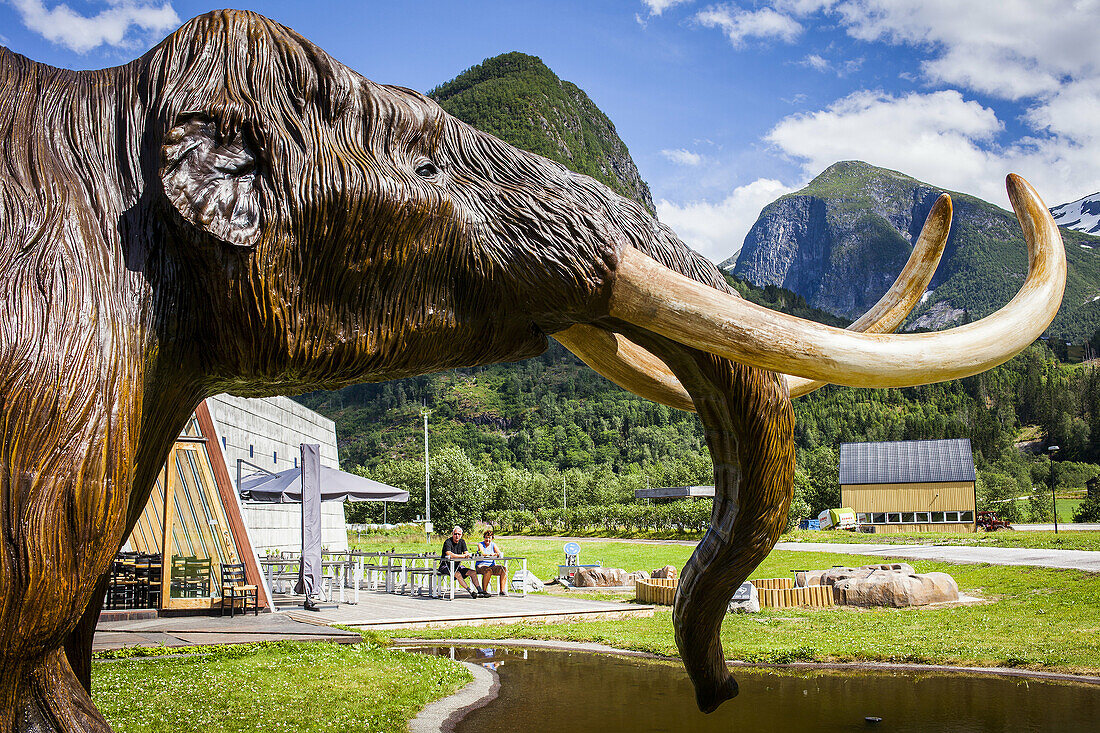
<point x="372" y="571"/>
<point x="419" y="577"/>
<point x="190" y="577"/>
<point x="123" y="584"/>
<point x="153" y="581"/>
<point x="235" y="588"/>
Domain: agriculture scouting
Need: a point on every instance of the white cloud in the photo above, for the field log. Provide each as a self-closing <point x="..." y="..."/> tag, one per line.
<point x="947" y="141"/>
<point x="80" y="33"/>
<point x="718" y="230"/>
<point x="815" y="62"/>
<point x="740" y="25"/>
<point x="1011" y="49"/>
<point x="936" y="137"/>
<point x="1071" y="112"/>
<point x="656" y="7"/>
<point x="803" y="7"/>
<point x="683" y="157"/>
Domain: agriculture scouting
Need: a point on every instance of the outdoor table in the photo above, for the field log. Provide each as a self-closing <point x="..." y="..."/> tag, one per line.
<point x="403" y="574"/>
<point x="269" y="565"/>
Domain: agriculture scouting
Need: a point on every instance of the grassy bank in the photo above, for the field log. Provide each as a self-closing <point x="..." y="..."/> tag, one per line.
<point x="272" y="686"/>
<point x="1035" y="618"/>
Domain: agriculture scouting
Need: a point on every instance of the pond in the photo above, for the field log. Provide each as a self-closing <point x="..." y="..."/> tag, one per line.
<point x="579" y="692"/>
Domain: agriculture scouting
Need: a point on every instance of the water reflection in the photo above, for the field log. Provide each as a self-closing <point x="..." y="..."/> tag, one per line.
<point x="582" y="693"/>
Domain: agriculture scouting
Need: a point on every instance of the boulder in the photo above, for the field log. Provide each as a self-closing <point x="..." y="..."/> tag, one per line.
<point x="745" y="600"/>
<point x="807" y="578"/>
<point x="638" y="575"/>
<point x="525" y="579"/>
<point x="895" y="589"/>
<point x="668" y="571"/>
<point x="596" y="577"/>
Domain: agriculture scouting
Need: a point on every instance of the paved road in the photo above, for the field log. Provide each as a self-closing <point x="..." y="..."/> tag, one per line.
<point x="1086" y="560"/>
<point x="1069" y="559"/>
<point x="1061" y="527"/>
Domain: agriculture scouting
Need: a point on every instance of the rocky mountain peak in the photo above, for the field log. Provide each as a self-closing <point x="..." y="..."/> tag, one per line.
<point x="841" y="240"/>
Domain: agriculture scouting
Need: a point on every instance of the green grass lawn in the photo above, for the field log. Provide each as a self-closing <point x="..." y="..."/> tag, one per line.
<point x="1066" y="508"/>
<point x="1036" y="618"/>
<point x="281" y="686"/>
<point x="1071" y="540"/>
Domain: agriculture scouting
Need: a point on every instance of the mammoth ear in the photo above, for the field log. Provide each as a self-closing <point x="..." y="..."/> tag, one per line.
<point x="212" y="179"/>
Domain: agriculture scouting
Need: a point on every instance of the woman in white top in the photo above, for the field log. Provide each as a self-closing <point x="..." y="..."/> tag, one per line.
<point x="488" y="568"/>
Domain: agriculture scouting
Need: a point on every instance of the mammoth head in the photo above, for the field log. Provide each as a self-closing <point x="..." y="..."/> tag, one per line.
<point x="362" y="228"/>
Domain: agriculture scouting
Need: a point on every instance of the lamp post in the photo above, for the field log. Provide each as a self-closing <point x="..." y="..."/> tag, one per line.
<point x="427" y="484"/>
<point x="1053" y="498"/>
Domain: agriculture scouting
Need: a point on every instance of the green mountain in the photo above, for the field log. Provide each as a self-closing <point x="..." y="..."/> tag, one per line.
<point x="517" y="98"/>
<point x="840" y="242"/>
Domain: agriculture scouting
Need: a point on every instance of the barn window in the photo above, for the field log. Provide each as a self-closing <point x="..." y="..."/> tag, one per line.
<point x="966" y="516"/>
<point x="951" y="516"/>
<point x="922" y="518"/>
<point x="907" y="517"/>
<point x="893" y="518"/>
<point x="938" y="517"/>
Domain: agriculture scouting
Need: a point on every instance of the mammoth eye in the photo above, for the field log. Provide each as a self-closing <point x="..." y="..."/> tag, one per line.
<point x="427" y="170"/>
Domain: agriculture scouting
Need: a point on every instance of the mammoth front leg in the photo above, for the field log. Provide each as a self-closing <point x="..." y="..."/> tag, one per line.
<point x="51" y="556"/>
<point x="749" y="427"/>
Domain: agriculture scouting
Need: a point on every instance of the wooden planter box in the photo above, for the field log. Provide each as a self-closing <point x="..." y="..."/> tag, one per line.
<point x="661" y="591"/>
<point x="781" y="593"/>
<point x="773" y="592"/>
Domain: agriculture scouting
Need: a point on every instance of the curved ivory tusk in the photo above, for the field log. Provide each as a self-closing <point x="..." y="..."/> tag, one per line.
<point x="651" y="296"/>
<point x="636" y="369"/>
<point x="893" y="307"/>
<point x="627" y="364"/>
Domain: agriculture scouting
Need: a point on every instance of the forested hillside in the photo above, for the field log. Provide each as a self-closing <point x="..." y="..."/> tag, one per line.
<point x="517" y="98"/>
<point x="508" y="440"/>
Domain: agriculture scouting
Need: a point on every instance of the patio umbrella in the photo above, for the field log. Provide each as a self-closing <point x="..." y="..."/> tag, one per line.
<point x="336" y="485"/>
<point x="309" y="570"/>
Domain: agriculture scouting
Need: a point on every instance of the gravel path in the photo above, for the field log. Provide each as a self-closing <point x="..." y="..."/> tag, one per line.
<point x="1068" y="559"/>
<point x="1087" y="560"/>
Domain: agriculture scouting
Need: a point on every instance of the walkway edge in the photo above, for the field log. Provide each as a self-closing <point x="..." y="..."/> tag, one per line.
<point x="444" y="714"/>
<point x="582" y="646"/>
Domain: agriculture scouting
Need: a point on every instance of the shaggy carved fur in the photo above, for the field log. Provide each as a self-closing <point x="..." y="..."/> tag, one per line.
<point x="236" y="211"/>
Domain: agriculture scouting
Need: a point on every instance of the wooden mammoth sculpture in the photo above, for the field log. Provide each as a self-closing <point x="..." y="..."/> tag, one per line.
<point x="235" y="211"/>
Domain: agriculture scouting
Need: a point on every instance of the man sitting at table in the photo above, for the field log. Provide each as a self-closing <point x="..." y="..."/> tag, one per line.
<point x="454" y="547"/>
<point x="488" y="568"/>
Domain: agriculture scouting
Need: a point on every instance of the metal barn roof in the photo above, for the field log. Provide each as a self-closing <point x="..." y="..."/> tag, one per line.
<point x="906" y="462"/>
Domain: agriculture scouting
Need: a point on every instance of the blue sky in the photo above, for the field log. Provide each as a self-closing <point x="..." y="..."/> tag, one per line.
<point x="724" y="106"/>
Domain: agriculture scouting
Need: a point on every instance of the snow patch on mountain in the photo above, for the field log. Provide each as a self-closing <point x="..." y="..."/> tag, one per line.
<point x="1082" y="214"/>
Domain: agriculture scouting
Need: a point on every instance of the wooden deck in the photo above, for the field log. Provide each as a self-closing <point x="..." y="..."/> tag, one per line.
<point x="380" y="610"/>
<point x="375" y="610"/>
<point x="181" y="631"/>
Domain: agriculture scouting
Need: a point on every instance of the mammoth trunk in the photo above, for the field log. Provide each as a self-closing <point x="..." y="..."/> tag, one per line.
<point x="749" y="426"/>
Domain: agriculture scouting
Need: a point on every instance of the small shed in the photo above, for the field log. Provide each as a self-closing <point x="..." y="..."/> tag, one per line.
<point x="911" y="485"/>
